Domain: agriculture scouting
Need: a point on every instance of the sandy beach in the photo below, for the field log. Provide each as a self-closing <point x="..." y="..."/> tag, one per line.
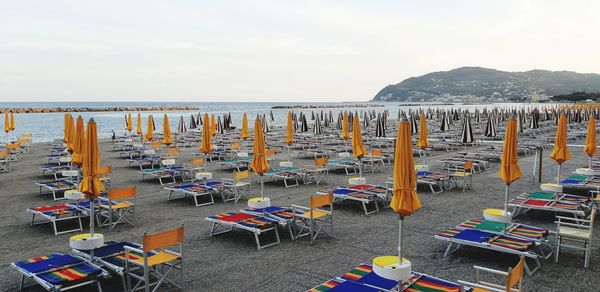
<point x="230" y="262"/>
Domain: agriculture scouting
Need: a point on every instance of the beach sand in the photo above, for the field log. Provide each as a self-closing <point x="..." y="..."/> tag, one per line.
<point x="230" y="262"/>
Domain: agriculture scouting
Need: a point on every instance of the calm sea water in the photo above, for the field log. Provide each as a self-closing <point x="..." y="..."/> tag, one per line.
<point x="49" y="126"/>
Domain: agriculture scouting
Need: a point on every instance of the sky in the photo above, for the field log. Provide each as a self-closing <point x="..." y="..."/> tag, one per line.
<point x="325" y="51"/>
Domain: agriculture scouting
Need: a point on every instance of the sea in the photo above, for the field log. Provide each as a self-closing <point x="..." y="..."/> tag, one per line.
<point x="46" y="127"/>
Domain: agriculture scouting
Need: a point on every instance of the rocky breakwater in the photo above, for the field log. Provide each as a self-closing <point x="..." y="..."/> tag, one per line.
<point x="97" y="109"/>
<point x="323" y="106"/>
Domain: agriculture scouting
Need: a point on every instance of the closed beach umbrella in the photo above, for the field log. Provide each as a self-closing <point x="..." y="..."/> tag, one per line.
<point x="379" y="127"/>
<point x="129" y="123"/>
<point x="7" y="123"/>
<point x="65" y="126"/>
<point x="13" y="126"/>
<point x="413" y="125"/>
<point x="509" y="165"/>
<point x="166" y="131"/>
<point x="71" y="143"/>
<point x="358" y="148"/>
<point x="245" y="134"/>
<point x="181" y="128"/>
<point x="193" y="124"/>
<point x="467" y="131"/>
<point x="139" y="125"/>
<point x="213" y="125"/>
<point x="490" y="128"/>
<point x="345" y="126"/>
<point x="317" y="129"/>
<point x="519" y="123"/>
<point x="444" y="125"/>
<point x="405" y="200"/>
<point x="591" y="146"/>
<point x="79" y="144"/>
<point x="206" y="144"/>
<point x="304" y="127"/>
<point x="289" y="138"/>
<point x="150" y="130"/>
<point x="560" y="153"/>
<point x="90" y="184"/>
<point x="259" y="164"/>
<point x="423" y="133"/>
<point x="220" y="127"/>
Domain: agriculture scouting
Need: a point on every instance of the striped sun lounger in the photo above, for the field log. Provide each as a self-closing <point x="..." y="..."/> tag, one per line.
<point x="283" y="215"/>
<point x="457" y="237"/>
<point x="558" y="203"/>
<point x="55" y="187"/>
<point x="348" y="194"/>
<point x="59" y="272"/>
<point x="285" y="174"/>
<point x="54" y="170"/>
<point x="362" y="278"/>
<point x="55" y="214"/>
<point x="193" y="190"/>
<point x="513" y="229"/>
<point x="162" y="173"/>
<point x="257" y="225"/>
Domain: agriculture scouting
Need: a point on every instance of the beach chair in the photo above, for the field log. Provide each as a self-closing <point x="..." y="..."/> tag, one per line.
<point x="348" y="164"/>
<point x="59" y="272"/>
<point x="463" y="173"/>
<point x="104" y="172"/>
<point x="550" y="202"/>
<point x="257" y="225"/>
<point x="286" y="174"/>
<point x="192" y="167"/>
<point x="111" y="256"/>
<point x="314" y="218"/>
<point x="576" y="231"/>
<point x="120" y="208"/>
<point x="54" y="215"/>
<point x="239" y="185"/>
<point x="514" y="277"/>
<point x="157" y="260"/>
<point x="144" y="162"/>
<point x="341" y="194"/>
<point x="56" y="187"/>
<point x="5" y="162"/>
<point x="363" y="278"/>
<point x="374" y="160"/>
<point x="318" y="171"/>
<point x="503" y="243"/>
<point x="283" y="215"/>
<point x="435" y="181"/>
<point x="195" y="190"/>
<point x="167" y="171"/>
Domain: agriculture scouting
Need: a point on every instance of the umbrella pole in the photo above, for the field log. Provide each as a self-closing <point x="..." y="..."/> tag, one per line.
<point x="558" y="175"/>
<point x="360" y="168"/>
<point x="506" y="199"/>
<point x="92" y="217"/>
<point x="262" y="187"/>
<point x="400" y="244"/>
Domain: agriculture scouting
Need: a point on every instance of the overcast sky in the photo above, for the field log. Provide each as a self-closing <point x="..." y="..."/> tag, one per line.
<point x="276" y="50"/>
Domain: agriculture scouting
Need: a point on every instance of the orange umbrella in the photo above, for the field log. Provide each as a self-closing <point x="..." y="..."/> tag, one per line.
<point x="345" y="132"/>
<point x="65" y="129"/>
<point x="129" y="123"/>
<point x="245" y="134"/>
<point x="509" y="166"/>
<point x="71" y="143"/>
<point x="206" y="144"/>
<point x="139" y="126"/>
<point x="561" y="153"/>
<point x="259" y="164"/>
<point x="423" y="134"/>
<point x="213" y="125"/>
<point x="13" y="126"/>
<point x="150" y="132"/>
<point x="289" y="138"/>
<point x="358" y="148"/>
<point x="591" y="146"/>
<point x="405" y="200"/>
<point x="91" y="185"/>
<point x="166" y="131"/>
<point x="79" y="143"/>
<point x="6" y="122"/>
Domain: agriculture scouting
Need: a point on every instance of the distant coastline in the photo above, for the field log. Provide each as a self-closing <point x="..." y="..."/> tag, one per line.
<point x="33" y="110"/>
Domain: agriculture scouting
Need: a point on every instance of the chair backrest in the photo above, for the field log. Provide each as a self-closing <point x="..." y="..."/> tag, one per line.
<point x="321" y="161"/>
<point x="239" y="175"/>
<point x="104" y="169"/>
<point x="22" y="141"/>
<point x="270" y="152"/>
<point x="163" y="239"/>
<point x="197" y="161"/>
<point x="155" y="144"/>
<point x="317" y="201"/>
<point x="27" y="136"/>
<point x="515" y="275"/>
<point x="235" y="145"/>
<point x="125" y="193"/>
<point x="173" y="151"/>
<point x="376" y="152"/>
<point x="13" y="146"/>
<point x="468" y="165"/>
<point x="4" y="154"/>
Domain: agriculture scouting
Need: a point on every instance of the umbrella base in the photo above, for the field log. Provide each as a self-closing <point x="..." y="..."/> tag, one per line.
<point x="389" y="267"/>
<point x="421" y="167"/>
<point x="74" y="195"/>
<point x="357" y="181"/>
<point x="86" y="241"/>
<point x="259" y="202"/>
<point x="550" y="187"/>
<point x="497" y="215"/>
<point x="286" y="164"/>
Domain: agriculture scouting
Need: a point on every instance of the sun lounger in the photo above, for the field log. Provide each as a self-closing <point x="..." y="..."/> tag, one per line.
<point x="512" y="229"/>
<point x="497" y="242"/>
<point x="56" y="186"/>
<point x="355" y="193"/>
<point x="59" y="272"/>
<point x="285" y="174"/>
<point x="111" y="256"/>
<point x="237" y="163"/>
<point x="436" y="181"/>
<point x="54" y="215"/>
<point x="283" y="215"/>
<point x="349" y="165"/>
<point x="54" y="170"/>
<point x="362" y="278"/>
<point x="163" y="173"/>
<point x="59" y="159"/>
<point x="194" y="190"/>
<point x="144" y="162"/>
<point x="257" y="225"/>
<point x="558" y="203"/>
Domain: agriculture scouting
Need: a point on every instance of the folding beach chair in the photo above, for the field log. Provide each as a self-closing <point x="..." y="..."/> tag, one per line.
<point x="374" y="160"/>
<point x="120" y="208"/>
<point x="172" y="153"/>
<point x="56" y="186"/>
<point x="193" y="166"/>
<point x="314" y="218"/>
<point x="464" y="174"/>
<point x="283" y="215"/>
<point x="156" y="260"/>
<point x="514" y="277"/>
<point x="59" y="272"/>
<point x="54" y="215"/>
<point x="575" y="230"/>
<point x="104" y="172"/>
<point x="5" y="161"/>
<point x="239" y="185"/>
<point x="318" y="171"/>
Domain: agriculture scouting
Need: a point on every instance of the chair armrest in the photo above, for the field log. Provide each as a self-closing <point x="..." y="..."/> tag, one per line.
<point x="484" y="269"/>
<point x="132" y="249"/>
<point x="473" y="285"/>
<point x="574" y="225"/>
<point x="300" y="207"/>
<point x="572" y="219"/>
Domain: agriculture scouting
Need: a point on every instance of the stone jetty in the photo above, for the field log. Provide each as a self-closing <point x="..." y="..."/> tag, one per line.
<point x="97" y="109"/>
<point x="323" y="106"/>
